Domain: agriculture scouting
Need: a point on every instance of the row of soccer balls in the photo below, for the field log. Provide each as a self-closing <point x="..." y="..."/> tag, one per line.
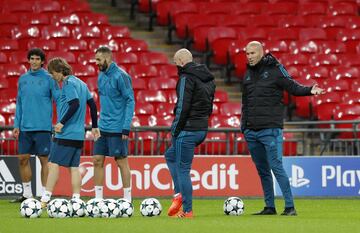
<point x="107" y="208"/>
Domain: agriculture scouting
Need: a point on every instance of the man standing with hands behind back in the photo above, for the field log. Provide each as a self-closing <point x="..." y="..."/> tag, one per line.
<point x="262" y="121"/>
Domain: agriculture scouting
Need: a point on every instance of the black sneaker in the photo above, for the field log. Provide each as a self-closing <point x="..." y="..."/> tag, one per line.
<point x="267" y="211"/>
<point x="18" y="199"/>
<point x="289" y="211"/>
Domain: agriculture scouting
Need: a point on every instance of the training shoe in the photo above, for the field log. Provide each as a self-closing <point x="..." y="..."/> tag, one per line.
<point x="43" y="205"/>
<point x="175" y="205"/>
<point x="18" y="199"/>
<point x="267" y="211"/>
<point x="183" y="214"/>
<point x="289" y="211"/>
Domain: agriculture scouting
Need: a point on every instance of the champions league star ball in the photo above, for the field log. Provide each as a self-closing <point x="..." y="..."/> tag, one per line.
<point x="93" y="207"/>
<point x="30" y="208"/>
<point x="126" y="208"/>
<point x="110" y="209"/>
<point x="79" y="207"/>
<point x="59" y="208"/>
<point x="150" y="207"/>
<point x="234" y="206"/>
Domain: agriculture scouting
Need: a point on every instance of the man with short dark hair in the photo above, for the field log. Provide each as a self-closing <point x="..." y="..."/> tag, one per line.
<point x="116" y="113"/>
<point x="262" y="121"/>
<point x="33" y="119"/>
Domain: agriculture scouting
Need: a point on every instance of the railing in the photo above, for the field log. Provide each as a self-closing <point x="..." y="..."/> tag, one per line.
<point x="300" y="138"/>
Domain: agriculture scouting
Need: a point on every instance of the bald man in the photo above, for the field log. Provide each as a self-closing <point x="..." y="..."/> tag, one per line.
<point x="262" y="121"/>
<point x="116" y="113"/>
<point x="195" y="93"/>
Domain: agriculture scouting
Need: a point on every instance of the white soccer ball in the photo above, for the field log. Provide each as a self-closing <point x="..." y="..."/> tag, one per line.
<point x="30" y="208"/>
<point x="110" y="209"/>
<point x="93" y="207"/>
<point x="234" y="206"/>
<point x="78" y="206"/>
<point x="150" y="207"/>
<point x="59" y="208"/>
<point x="126" y="208"/>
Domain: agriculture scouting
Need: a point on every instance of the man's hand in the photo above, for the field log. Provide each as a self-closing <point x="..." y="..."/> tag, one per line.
<point x="96" y="133"/>
<point x="16" y="132"/>
<point x="315" y="90"/>
<point x="58" y="127"/>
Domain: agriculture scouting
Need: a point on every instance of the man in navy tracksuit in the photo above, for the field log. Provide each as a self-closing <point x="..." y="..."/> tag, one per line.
<point x="195" y="91"/>
<point x="262" y="121"/>
<point x="33" y="119"/>
<point x="116" y="112"/>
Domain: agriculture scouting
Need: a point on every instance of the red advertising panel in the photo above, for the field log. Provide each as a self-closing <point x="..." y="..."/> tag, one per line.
<point x="211" y="176"/>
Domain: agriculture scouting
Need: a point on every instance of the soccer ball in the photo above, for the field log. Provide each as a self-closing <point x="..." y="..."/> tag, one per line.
<point x="150" y="207"/>
<point x="126" y="208"/>
<point x="110" y="209"/>
<point x="234" y="206"/>
<point x="78" y="206"/>
<point x="93" y="207"/>
<point x="30" y="208"/>
<point x="59" y="208"/>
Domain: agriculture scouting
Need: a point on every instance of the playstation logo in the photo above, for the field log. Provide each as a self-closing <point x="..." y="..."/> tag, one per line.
<point x="297" y="179"/>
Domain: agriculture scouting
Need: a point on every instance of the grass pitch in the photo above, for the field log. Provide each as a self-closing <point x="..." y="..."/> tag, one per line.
<point x="314" y="215"/>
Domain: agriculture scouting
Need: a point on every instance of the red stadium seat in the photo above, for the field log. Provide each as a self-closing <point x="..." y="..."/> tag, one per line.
<point x="312" y="9"/>
<point x="164" y="9"/>
<point x="92" y="84"/>
<point x="204" y="35"/>
<point x="126" y="59"/>
<point x="303" y="103"/>
<point x="80" y="70"/>
<point x="3" y="58"/>
<point x="144" y="108"/>
<point x="18" y="7"/>
<point x="341" y="86"/>
<point x="220" y="50"/>
<point x="139" y="84"/>
<point x="86" y="58"/>
<point x="13" y="70"/>
<point x="86" y="32"/>
<point x="161" y="83"/>
<point x="38" y="20"/>
<point x="4" y="83"/>
<point x="350" y="60"/>
<point x="320" y="73"/>
<point x="9" y="19"/>
<point x="304" y="47"/>
<point x="25" y="32"/>
<point x="292" y="21"/>
<point x="224" y="121"/>
<point x="230" y="109"/>
<point x="348" y="112"/>
<point x="240" y="62"/>
<point x="19" y="57"/>
<point x="94" y="19"/>
<point x="94" y="44"/>
<point x="343" y="9"/>
<point x="298" y="60"/>
<point x="79" y="7"/>
<point x="66" y="19"/>
<point x="46" y="45"/>
<point x="282" y="8"/>
<point x="132" y="45"/>
<point x="116" y="32"/>
<point x="186" y="23"/>
<point x="221" y="97"/>
<point x="350" y="37"/>
<point x="143" y="71"/>
<point x="73" y="45"/>
<point x="326" y="104"/>
<point x="168" y="71"/>
<point x="250" y="8"/>
<point x="231" y="21"/>
<point x="153" y="58"/>
<point x="215" y="144"/>
<point x="331" y="47"/>
<point x="249" y="34"/>
<point x="151" y="96"/>
<point x="289" y="145"/>
<point x="163" y="120"/>
<point x="51" y="7"/>
<point x="283" y="34"/>
<point x="324" y="60"/>
<point x="8" y="96"/>
<point x="350" y="74"/>
<point x="165" y="109"/>
<point x="332" y="25"/>
<point x="276" y="47"/>
<point x="68" y="56"/>
<point x="351" y="97"/>
<point x="312" y="34"/>
<point x="52" y="32"/>
<point x="171" y="96"/>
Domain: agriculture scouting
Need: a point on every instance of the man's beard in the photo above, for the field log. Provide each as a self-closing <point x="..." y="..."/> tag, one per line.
<point x="104" y="66"/>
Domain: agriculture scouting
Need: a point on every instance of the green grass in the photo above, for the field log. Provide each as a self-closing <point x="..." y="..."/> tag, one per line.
<point x="314" y="215"/>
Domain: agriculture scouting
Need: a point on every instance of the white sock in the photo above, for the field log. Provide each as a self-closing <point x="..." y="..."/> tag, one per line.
<point x="46" y="196"/>
<point x="43" y="189"/>
<point x="99" y="191"/>
<point x="75" y="196"/>
<point x="127" y="194"/>
<point x="27" y="192"/>
<point x="177" y="194"/>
